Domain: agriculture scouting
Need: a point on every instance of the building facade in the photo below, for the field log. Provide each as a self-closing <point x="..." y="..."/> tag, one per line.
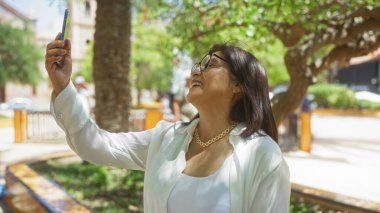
<point x="82" y="29"/>
<point x="15" y="18"/>
<point x="361" y="77"/>
<point x="363" y="74"/>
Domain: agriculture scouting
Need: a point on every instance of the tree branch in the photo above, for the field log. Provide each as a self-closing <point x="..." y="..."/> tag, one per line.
<point x="289" y="34"/>
<point x="348" y="32"/>
<point x="322" y="7"/>
<point x="342" y="54"/>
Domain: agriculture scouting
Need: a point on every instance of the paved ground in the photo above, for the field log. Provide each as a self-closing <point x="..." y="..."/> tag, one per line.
<point x="345" y="156"/>
<point x="6" y="137"/>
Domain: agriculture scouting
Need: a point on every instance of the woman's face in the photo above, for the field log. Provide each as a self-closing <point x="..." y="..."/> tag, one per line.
<point x="212" y="86"/>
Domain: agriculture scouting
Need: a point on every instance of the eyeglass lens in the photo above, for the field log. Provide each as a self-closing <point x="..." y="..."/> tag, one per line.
<point x="205" y="62"/>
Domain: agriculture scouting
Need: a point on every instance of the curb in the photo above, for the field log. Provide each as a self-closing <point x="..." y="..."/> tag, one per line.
<point x="334" y="201"/>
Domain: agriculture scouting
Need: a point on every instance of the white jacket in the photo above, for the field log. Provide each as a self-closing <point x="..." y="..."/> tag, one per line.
<point x="259" y="175"/>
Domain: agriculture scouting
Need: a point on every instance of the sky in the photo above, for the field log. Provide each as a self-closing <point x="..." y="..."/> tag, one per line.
<point x="48" y="13"/>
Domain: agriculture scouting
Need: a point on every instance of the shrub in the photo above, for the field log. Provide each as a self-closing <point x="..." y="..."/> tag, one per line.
<point x="339" y="97"/>
<point x="333" y="95"/>
<point x="368" y="105"/>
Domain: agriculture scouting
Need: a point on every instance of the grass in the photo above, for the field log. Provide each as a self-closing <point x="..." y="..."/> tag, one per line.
<point x="102" y="189"/>
<point x="5" y="122"/>
<point x="105" y="189"/>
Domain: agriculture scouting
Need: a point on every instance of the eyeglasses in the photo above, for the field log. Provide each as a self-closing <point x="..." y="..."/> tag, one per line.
<point x="205" y="62"/>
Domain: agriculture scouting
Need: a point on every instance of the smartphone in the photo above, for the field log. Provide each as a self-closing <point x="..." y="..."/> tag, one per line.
<point x="66" y="25"/>
<point x="65" y="31"/>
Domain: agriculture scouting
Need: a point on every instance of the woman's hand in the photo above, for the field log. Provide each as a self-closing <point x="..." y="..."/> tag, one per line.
<point x="58" y="51"/>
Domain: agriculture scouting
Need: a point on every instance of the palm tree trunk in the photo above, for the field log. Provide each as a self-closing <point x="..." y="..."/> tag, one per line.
<point x="112" y="64"/>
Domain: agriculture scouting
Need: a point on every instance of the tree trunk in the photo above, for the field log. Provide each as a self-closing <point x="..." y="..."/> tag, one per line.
<point x="285" y="103"/>
<point x="34" y="90"/>
<point x="2" y="94"/>
<point x="139" y="94"/>
<point x="112" y="63"/>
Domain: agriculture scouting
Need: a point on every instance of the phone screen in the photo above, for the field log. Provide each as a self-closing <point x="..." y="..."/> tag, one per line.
<point x="65" y="25"/>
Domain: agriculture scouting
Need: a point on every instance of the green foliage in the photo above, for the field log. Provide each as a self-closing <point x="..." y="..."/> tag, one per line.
<point x="133" y="180"/>
<point x="103" y="189"/>
<point x="152" y="55"/>
<point x="299" y="206"/>
<point x="367" y="105"/>
<point x="339" y="96"/>
<point x="200" y="24"/>
<point x="19" y="56"/>
<point x="333" y="95"/>
<point x="273" y="63"/>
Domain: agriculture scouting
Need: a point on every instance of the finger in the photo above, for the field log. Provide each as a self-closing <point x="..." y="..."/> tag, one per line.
<point x="55" y="44"/>
<point x="51" y="63"/>
<point x="50" y="69"/>
<point x="55" y="52"/>
<point x="68" y="47"/>
<point x="53" y="67"/>
<point x="53" y="59"/>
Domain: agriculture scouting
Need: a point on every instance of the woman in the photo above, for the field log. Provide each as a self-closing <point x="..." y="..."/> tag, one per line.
<point x="224" y="160"/>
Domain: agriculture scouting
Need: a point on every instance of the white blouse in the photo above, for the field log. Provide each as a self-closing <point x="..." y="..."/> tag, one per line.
<point x="202" y="194"/>
<point x="258" y="176"/>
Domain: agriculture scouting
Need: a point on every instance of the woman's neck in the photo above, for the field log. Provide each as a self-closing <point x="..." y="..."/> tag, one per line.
<point x="212" y="123"/>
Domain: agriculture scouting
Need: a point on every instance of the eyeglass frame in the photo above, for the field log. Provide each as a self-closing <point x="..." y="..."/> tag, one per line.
<point x="199" y="64"/>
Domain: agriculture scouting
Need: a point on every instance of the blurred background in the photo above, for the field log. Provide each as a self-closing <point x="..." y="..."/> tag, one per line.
<point x="131" y="60"/>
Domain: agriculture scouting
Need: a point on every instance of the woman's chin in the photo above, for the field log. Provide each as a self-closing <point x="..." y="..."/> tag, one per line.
<point x="193" y="95"/>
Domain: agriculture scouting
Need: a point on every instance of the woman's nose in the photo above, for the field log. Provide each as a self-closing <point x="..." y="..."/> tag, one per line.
<point x="196" y="70"/>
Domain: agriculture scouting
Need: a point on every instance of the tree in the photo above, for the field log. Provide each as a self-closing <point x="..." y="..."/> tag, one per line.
<point x="151" y="66"/>
<point x="315" y="34"/>
<point x="19" y="57"/>
<point x="112" y="64"/>
<point x="152" y="55"/>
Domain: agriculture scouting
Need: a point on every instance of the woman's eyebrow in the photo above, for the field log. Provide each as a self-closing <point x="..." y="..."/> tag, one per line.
<point x="219" y="57"/>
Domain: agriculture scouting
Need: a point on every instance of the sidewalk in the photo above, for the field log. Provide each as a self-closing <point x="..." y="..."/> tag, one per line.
<point x="6" y="137"/>
<point x="12" y="153"/>
<point x="345" y="157"/>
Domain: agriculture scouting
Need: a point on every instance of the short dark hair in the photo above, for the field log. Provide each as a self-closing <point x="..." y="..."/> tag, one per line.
<point x="254" y="106"/>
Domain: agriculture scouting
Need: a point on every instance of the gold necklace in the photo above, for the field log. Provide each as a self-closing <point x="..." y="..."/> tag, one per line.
<point x="214" y="139"/>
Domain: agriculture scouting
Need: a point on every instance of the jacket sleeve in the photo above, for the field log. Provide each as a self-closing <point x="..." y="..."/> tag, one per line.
<point x="273" y="194"/>
<point x="126" y="150"/>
